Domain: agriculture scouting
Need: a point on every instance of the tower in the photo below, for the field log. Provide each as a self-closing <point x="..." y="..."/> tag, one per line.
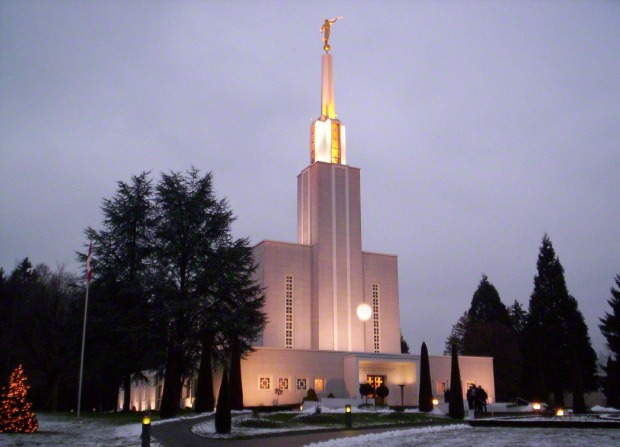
<point x="314" y="287"/>
<point x="329" y="220"/>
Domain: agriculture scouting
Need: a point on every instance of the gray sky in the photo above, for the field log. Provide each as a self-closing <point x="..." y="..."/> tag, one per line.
<point x="478" y="126"/>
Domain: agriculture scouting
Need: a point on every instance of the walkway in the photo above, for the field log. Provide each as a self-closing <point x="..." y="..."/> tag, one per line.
<point x="178" y="434"/>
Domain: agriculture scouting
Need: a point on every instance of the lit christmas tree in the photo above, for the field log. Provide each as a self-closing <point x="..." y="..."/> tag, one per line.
<point x="15" y="413"/>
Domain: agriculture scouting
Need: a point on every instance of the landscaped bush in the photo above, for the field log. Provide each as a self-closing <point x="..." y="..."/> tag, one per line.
<point x="257" y="423"/>
<point x="311" y="396"/>
<point x="319" y="418"/>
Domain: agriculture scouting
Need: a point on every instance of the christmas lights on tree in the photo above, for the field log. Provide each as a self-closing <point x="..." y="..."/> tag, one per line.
<point x="15" y="413"/>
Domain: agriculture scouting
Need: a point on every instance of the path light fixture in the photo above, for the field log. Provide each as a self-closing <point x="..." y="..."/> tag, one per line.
<point x="146" y="430"/>
<point x="435" y="401"/>
<point x="347" y="416"/>
<point x="559" y="412"/>
<point x="536" y="406"/>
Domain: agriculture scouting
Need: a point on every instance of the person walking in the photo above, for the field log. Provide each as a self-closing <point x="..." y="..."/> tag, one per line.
<point x="481" y="397"/>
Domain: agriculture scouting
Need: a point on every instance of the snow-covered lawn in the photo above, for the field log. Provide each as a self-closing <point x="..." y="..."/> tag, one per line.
<point x="466" y="436"/>
<point x="58" y="430"/>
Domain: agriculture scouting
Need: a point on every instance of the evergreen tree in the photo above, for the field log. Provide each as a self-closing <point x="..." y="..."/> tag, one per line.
<point x="610" y="324"/>
<point x="191" y="224"/>
<point x="489" y="333"/>
<point x="611" y="383"/>
<point x="404" y="346"/>
<point x="50" y="342"/>
<point x="518" y="317"/>
<point x="122" y="312"/>
<point x="222" y="412"/>
<point x="15" y="410"/>
<point x="486" y="305"/>
<point x="241" y="319"/>
<point x="456" y="409"/>
<point x="557" y="349"/>
<point x="426" y="390"/>
<point x="205" y="398"/>
<point x="457" y="335"/>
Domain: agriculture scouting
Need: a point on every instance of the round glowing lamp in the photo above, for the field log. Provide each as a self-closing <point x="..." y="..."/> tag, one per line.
<point x="560" y="412"/>
<point x="364" y="312"/>
<point x="435" y="401"/>
<point x="146" y="420"/>
<point x="536" y="406"/>
<point x="347" y="408"/>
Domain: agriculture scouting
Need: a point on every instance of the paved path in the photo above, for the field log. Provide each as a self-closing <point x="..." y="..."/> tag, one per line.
<point x="178" y="434"/>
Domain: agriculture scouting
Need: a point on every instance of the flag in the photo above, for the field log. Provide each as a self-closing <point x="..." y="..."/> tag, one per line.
<point x="89" y="274"/>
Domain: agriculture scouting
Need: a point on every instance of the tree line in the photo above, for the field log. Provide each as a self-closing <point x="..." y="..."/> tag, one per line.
<point x="545" y="351"/>
<point x="172" y="291"/>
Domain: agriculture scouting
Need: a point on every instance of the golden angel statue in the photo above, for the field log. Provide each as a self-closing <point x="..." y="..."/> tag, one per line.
<point x="325" y="31"/>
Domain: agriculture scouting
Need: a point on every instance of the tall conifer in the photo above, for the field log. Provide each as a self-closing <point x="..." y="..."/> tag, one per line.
<point x="426" y="391"/>
<point x="556" y="345"/>
<point x="223" y="419"/>
<point x="456" y="409"/>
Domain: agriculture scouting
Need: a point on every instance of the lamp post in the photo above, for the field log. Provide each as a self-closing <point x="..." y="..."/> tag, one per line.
<point x="402" y="395"/>
<point x="347" y="416"/>
<point x="146" y="431"/>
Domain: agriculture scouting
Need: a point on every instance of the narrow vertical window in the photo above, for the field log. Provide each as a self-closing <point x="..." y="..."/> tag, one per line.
<point x="375" y="318"/>
<point x="288" y="312"/>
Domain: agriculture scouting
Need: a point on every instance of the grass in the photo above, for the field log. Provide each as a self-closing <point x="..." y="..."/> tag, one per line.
<point x="118" y="418"/>
<point x="359" y="419"/>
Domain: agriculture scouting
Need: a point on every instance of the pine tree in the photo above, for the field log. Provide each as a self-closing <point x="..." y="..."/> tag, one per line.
<point x="205" y="398"/>
<point x="121" y="315"/>
<point x="556" y="345"/>
<point x="222" y="413"/>
<point x="456" y="335"/>
<point x="518" y="317"/>
<point x="611" y="383"/>
<point x="404" y="346"/>
<point x="191" y="225"/>
<point x="456" y="409"/>
<point x="486" y="305"/>
<point x="15" y="410"/>
<point x="489" y="333"/>
<point x="610" y="324"/>
<point x="426" y="390"/>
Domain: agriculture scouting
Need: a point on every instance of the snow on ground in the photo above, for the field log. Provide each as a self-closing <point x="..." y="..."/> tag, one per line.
<point x="63" y="431"/>
<point x="207" y="429"/>
<point x="466" y="436"/>
<point x="598" y="408"/>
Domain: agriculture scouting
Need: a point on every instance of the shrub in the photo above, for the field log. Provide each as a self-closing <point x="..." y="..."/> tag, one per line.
<point x="311" y="396"/>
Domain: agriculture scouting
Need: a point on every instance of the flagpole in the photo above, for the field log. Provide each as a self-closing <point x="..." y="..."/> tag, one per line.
<point x="88" y="277"/>
<point x="79" y="405"/>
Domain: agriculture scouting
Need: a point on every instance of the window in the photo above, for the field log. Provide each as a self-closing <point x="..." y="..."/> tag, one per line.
<point x="288" y="311"/>
<point x="283" y="383"/>
<point x="375" y="318"/>
<point x="335" y="141"/>
<point x="302" y="383"/>
<point x="442" y="386"/>
<point x="319" y="384"/>
<point x="264" y="383"/>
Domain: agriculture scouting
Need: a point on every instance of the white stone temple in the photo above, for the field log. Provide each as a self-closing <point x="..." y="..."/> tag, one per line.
<point x="332" y="308"/>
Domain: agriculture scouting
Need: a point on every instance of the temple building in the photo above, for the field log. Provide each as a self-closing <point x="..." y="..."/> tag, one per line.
<point x="332" y="308"/>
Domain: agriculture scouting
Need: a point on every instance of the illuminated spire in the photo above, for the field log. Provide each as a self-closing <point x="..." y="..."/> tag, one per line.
<point x="327" y="139"/>
<point x="328" y="104"/>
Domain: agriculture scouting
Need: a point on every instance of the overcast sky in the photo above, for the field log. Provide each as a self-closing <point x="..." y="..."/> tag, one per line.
<point x="478" y="126"/>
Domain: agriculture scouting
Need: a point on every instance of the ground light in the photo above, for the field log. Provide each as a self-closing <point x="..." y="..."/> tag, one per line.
<point x="536" y="406"/>
<point x="347" y="416"/>
<point x="146" y="431"/>
<point x="435" y="401"/>
<point x="559" y="412"/>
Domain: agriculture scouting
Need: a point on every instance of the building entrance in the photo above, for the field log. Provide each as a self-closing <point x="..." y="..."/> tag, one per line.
<point x="375" y="381"/>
